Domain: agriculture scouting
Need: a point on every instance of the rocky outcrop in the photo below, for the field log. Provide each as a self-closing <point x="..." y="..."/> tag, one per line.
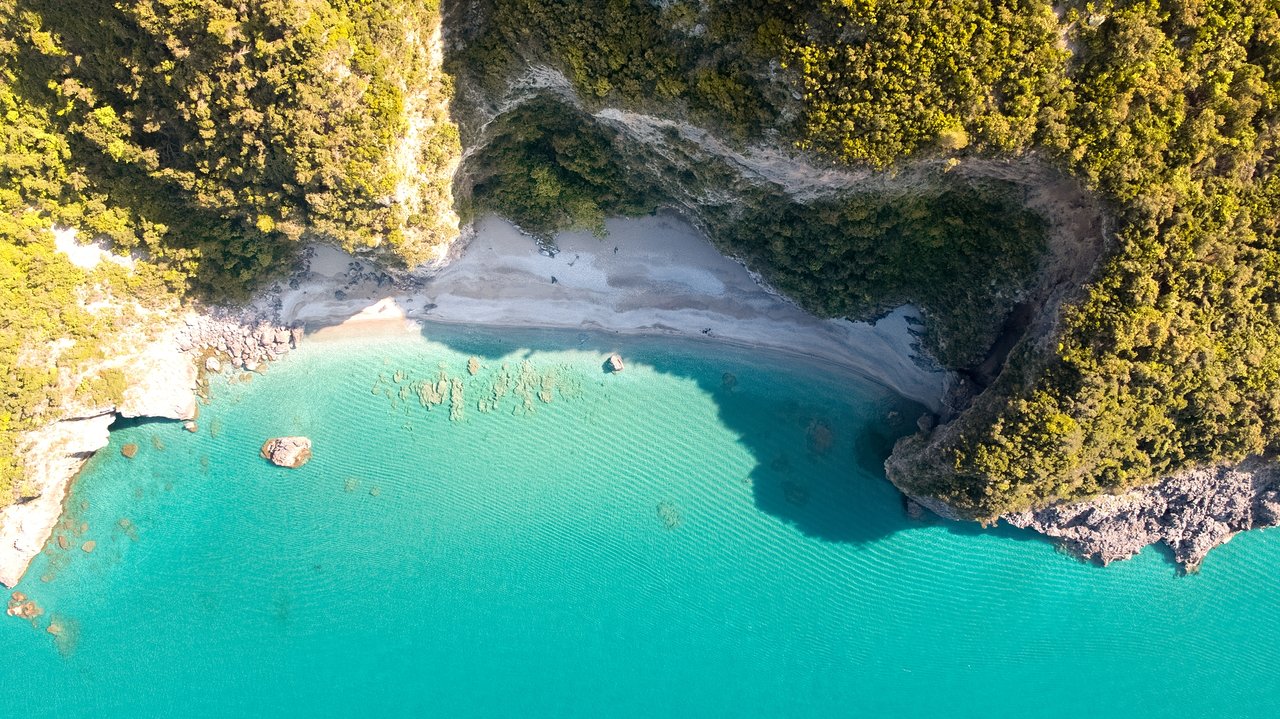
<point x="23" y="608"/>
<point x="291" y="452"/>
<point x="162" y="382"/>
<point x="53" y="455"/>
<point x="162" y="379"/>
<point x="1191" y="512"/>
<point x="615" y="363"/>
<point x="247" y="341"/>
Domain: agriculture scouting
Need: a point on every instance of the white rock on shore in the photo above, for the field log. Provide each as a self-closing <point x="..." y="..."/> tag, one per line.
<point x="162" y="383"/>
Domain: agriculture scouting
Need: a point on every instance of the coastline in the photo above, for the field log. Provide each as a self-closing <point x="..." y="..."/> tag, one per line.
<point x="663" y="279"/>
<point x="163" y="381"/>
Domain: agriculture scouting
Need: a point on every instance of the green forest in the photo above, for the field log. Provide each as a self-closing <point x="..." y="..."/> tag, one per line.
<point x="209" y="138"/>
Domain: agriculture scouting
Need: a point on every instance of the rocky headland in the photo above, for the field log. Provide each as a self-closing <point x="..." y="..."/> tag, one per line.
<point x="163" y="382"/>
<point x="1191" y="513"/>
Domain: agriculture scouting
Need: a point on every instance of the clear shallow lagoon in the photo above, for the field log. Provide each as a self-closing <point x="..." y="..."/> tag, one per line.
<point x="665" y="542"/>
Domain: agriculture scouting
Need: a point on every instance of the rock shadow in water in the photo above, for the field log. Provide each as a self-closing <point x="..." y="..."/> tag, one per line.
<point x="794" y="449"/>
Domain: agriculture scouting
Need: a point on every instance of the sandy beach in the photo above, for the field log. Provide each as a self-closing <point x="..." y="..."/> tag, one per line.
<point x="652" y="275"/>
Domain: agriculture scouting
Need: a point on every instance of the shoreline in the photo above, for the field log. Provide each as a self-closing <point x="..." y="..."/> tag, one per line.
<point x="358" y="328"/>
<point x="663" y="280"/>
<point x="650" y="277"/>
<point x="163" y="382"/>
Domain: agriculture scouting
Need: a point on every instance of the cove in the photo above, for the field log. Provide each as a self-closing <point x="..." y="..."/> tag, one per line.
<point x="708" y="533"/>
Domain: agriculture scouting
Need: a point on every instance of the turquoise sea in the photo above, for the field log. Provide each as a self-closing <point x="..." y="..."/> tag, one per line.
<point x="707" y="534"/>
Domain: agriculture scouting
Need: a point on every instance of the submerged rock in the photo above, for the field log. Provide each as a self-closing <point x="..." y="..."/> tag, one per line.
<point x="127" y="526"/>
<point x="291" y="452"/>
<point x="670" y="515"/>
<point x="23" y="608"/>
<point x="129" y="450"/>
<point x="820" y="436"/>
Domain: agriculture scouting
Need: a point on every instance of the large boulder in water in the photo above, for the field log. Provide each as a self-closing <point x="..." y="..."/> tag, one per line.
<point x="291" y="452"/>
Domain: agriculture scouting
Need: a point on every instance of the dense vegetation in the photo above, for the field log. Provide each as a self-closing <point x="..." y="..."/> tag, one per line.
<point x="656" y="56"/>
<point x="204" y="138"/>
<point x="1166" y="109"/>
<point x="548" y="168"/>
<point x="960" y="252"/>
<point x="1170" y="358"/>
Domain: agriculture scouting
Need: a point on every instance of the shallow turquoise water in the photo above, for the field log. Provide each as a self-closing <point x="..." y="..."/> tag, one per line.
<point x="665" y="542"/>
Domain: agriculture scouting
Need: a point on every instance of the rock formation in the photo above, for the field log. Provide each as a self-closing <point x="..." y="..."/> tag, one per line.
<point x="52" y="455"/>
<point x="245" y="339"/>
<point x="291" y="452"/>
<point x="1191" y="512"/>
<point x="162" y="382"/>
<point x="23" y="608"/>
<point x="615" y="362"/>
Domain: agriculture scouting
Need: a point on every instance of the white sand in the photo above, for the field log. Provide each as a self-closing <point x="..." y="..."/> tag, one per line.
<point x="664" y="278"/>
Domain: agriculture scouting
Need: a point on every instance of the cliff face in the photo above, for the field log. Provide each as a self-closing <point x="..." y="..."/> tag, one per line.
<point x="161" y="382"/>
<point x="738" y="192"/>
<point x="157" y="359"/>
